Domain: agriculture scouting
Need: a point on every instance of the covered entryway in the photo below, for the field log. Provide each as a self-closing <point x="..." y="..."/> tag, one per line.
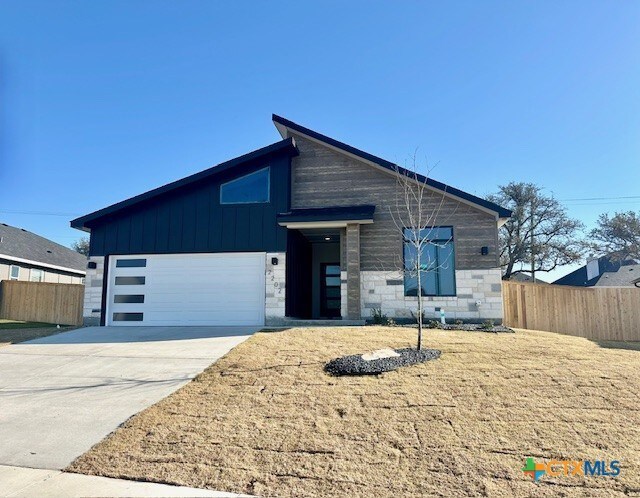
<point x="323" y="261"/>
<point x="186" y="289"/>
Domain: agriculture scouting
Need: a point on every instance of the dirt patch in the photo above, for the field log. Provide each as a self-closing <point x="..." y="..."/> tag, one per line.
<point x="267" y="420"/>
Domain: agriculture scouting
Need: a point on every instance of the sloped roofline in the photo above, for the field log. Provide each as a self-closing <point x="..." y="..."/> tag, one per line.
<point x="284" y="146"/>
<point x="283" y="124"/>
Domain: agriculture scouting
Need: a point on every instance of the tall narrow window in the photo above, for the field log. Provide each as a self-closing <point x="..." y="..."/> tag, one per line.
<point x="14" y="272"/>
<point x="251" y="188"/>
<point x="437" y="262"/>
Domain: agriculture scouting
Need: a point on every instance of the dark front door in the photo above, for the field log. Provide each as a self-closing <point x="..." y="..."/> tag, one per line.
<point x="330" y="290"/>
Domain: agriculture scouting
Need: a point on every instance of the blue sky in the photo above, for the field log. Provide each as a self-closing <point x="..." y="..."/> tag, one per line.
<point x="100" y="101"/>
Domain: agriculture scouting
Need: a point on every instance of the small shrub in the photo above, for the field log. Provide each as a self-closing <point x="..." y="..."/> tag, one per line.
<point x="433" y="324"/>
<point x="380" y="318"/>
<point x="487" y="325"/>
<point x="459" y="322"/>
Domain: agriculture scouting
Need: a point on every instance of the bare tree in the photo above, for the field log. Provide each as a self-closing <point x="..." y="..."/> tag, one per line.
<point x="81" y="245"/>
<point x="539" y="236"/>
<point x="417" y="215"/>
<point x="618" y="236"/>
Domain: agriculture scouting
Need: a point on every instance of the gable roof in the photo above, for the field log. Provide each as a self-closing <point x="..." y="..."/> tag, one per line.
<point x="284" y="146"/>
<point x="17" y="244"/>
<point x="282" y="124"/>
<point x="611" y="273"/>
<point x="622" y="277"/>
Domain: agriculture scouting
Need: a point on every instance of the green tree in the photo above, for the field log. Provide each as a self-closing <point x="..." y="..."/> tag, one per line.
<point x="539" y="233"/>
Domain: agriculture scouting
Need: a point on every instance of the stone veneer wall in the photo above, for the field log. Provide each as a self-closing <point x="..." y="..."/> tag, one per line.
<point x="275" y="277"/>
<point x="385" y="290"/>
<point x="93" y="292"/>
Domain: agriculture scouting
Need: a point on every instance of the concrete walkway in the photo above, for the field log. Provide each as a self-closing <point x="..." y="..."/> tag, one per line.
<point x="62" y="394"/>
<point x="21" y="482"/>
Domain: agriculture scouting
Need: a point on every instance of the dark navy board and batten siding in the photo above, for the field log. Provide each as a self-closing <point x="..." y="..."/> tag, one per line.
<point x="192" y="220"/>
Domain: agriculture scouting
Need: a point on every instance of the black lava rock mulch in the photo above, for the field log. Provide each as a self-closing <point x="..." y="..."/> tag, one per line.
<point x="355" y="365"/>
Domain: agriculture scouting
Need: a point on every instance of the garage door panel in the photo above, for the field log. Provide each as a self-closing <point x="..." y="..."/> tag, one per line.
<point x="187" y="289"/>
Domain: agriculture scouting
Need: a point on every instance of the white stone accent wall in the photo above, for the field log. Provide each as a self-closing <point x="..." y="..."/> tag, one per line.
<point x="93" y="292"/>
<point x="275" y="276"/>
<point x="478" y="296"/>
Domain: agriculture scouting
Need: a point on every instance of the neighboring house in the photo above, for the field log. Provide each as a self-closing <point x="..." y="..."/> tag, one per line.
<point x="603" y="272"/>
<point x="29" y="257"/>
<point x="300" y="228"/>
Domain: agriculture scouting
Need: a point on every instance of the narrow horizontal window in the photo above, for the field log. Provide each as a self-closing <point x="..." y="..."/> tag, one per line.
<point x="128" y="298"/>
<point x="130" y="280"/>
<point x="251" y="188"/>
<point x="131" y="263"/>
<point x="127" y="317"/>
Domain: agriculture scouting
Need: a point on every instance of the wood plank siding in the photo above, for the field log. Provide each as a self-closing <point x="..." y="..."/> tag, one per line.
<point x="41" y="302"/>
<point x="322" y="177"/>
<point x="597" y="313"/>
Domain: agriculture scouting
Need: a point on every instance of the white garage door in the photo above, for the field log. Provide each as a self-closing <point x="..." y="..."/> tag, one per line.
<point x="186" y="289"/>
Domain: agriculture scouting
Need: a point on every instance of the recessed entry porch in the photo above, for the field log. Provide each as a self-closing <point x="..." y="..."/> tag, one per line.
<point x="323" y="262"/>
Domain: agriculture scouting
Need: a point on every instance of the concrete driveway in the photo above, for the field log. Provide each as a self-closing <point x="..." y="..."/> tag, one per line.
<point x="62" y="394"/>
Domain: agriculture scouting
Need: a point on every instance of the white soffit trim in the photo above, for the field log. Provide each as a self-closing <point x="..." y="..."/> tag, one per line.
<point x="43" y="265"/>
<point x="323" y="224"/>
<point x="285" y="133"/>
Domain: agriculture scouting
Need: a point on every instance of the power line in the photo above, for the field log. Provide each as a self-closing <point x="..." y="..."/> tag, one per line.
<point x="37" y="213"/>
<point x="601" y="198"/>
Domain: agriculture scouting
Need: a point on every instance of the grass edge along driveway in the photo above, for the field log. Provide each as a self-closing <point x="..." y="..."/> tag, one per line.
<point x="267" y="420"/>
<point x="15" y="331"/>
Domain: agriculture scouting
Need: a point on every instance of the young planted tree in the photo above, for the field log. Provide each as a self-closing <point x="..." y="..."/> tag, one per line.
<point x="417" y="214"/>
<point x="539" y="236"/>
<point x="618" y="236"/>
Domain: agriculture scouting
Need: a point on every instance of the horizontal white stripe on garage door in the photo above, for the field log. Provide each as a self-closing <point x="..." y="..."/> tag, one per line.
<point x="192" y="289"/>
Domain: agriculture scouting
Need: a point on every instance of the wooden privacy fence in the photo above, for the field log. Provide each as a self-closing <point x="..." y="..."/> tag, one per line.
<point x="41" y="302"/>
<point x="598" y="313"/>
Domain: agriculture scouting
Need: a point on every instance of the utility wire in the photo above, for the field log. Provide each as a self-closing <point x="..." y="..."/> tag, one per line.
<point x="38" y="213"/>
<point x="601" y="198"/>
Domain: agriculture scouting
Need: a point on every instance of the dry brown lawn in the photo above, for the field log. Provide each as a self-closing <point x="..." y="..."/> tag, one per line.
<point x="267" y="420"/>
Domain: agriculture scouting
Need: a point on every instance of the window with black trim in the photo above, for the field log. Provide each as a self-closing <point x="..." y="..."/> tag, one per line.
<point x="128" y="317"/>
<point x="128" y="298"/>
<point x="248" y="189"/>
<point x="130" y="280"/>
<point x="437" y="262"/>
<point x="131" y="263"/>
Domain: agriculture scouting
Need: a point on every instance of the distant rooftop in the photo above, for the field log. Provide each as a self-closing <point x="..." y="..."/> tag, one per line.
<point x="603" y="272"/>
<point x="22" y="244"/>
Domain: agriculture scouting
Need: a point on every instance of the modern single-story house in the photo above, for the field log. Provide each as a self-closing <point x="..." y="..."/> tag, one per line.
<point x="28" y="257"/>
<point x="604" y="271"/>
<point x="300" y="229"/>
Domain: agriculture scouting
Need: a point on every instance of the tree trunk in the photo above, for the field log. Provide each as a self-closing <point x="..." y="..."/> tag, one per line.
<point x="419" y="307"/>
